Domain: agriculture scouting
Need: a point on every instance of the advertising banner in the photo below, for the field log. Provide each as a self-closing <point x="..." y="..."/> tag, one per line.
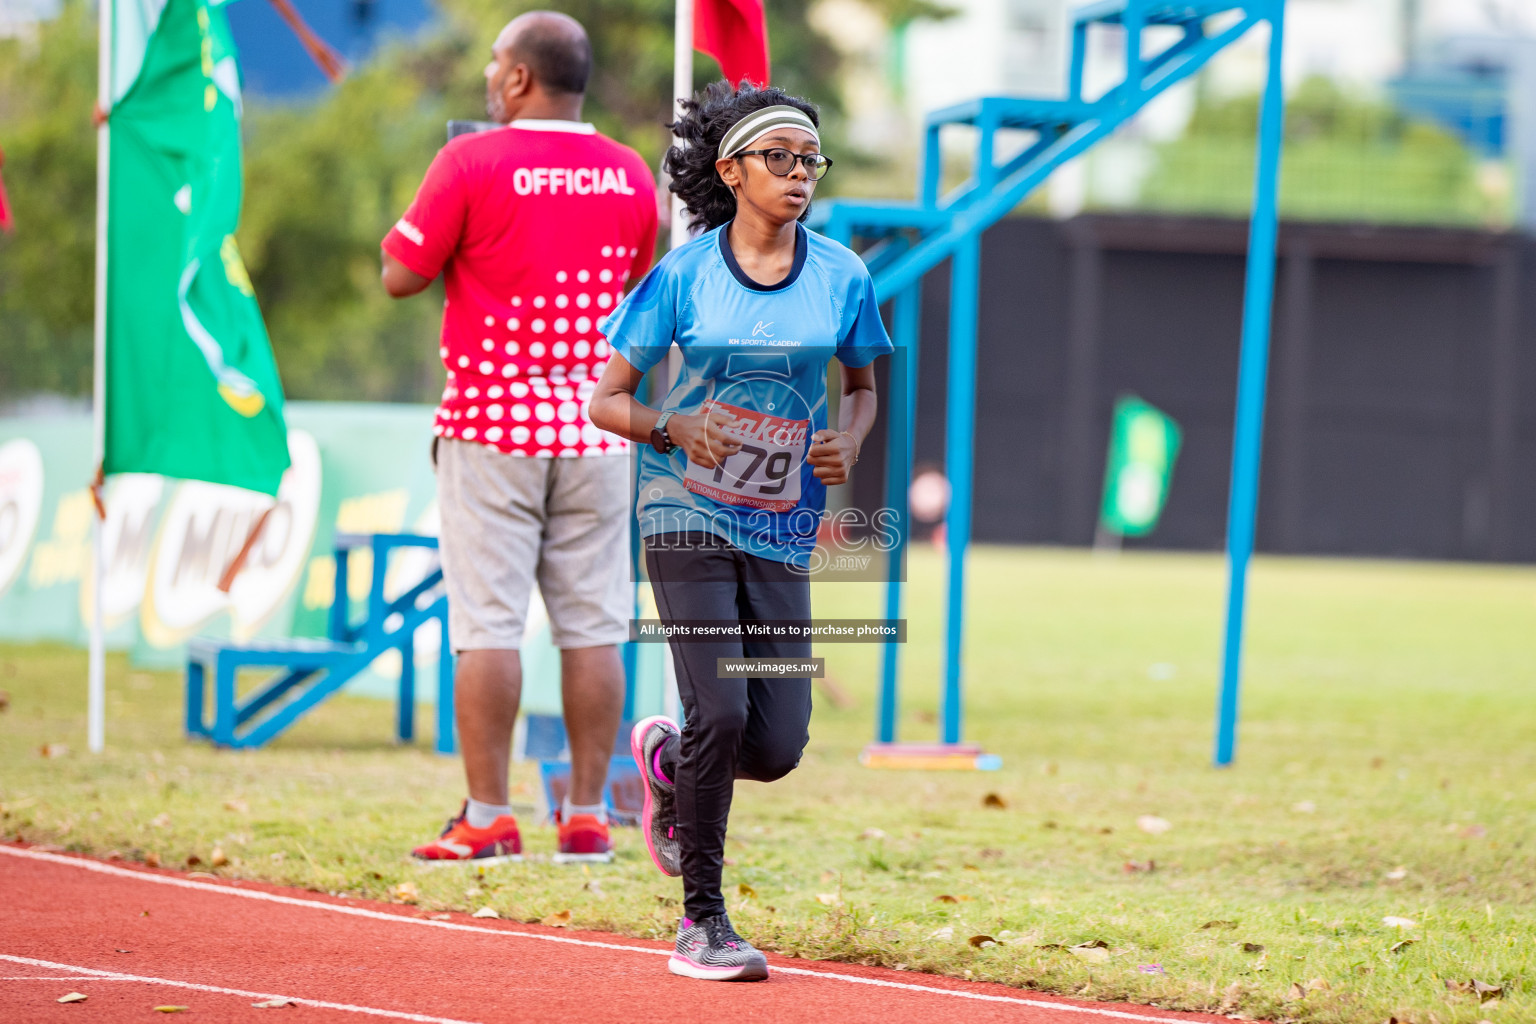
<point x="355" y="468"/>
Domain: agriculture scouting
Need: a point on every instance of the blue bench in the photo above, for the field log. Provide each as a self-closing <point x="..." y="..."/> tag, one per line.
<point x="311" y="669"/>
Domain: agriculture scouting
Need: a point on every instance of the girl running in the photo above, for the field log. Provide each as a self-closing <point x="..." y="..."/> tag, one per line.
<point x="733" y="486"/>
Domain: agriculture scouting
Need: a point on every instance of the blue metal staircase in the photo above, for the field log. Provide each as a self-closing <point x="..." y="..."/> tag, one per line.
<point x="1164" y="43"/>
<point x="311" y="669"/>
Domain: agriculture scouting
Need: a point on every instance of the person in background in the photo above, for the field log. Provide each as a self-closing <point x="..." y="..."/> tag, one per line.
<point x="536" y="228"/>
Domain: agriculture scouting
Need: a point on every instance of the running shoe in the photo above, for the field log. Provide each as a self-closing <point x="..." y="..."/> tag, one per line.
<point x="710" y="950"/>
<point x="498" y="843"/>
<point x="583" y="840"/>
<point x="658" y="819"/>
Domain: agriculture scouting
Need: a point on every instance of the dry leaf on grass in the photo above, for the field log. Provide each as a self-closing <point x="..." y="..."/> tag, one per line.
<point x="1253" y="947"/>
<point x="160" y="820"/>
<point x="405" y="892"/>
<point x="151" y="860"/>
<point x="486" y="912"/>
<point x="74" y="997"/>
<point x="945" y="899"/>
<point x="1153" y="825"/>
<point x="1318" y="985"/>
<point x="981" y="941"/>
<point x="53" y="750"/>
<point x="1399" y="922"/>
<point x="275" y="1004"/>
<point x="746" y="891"/>
<point x="1092" y="954"/>
<point x="1218" y="924"/>
<point x="1397" y="874"/>
<point x="193" y="860"/>
<point x="559" y="919"/>
<point x="1304" y="807"/>
<point x="943" y="934"/>
<point x="1485" y="991"/>
<point x="872" y="833"/>
<point x="995" y="801"/>
<point x="237" y="805"/>
<point x="1398" y="947"/>
<point x="1295" y="992"/>
<point x="829" y="899"/>
<point x="5" y="701"/>
<point x="1133" y="866"/>
<point x="1474" y="832"/>
<point x="218" y="858"/>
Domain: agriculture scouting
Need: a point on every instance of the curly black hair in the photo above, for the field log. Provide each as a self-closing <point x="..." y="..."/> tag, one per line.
<point x="706" y="118"/>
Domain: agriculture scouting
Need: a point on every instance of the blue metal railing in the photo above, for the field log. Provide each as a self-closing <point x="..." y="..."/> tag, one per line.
<point x="906" y="240"/>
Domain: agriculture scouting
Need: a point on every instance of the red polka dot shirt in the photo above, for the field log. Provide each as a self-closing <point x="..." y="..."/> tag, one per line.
<point x="537" y="228"/>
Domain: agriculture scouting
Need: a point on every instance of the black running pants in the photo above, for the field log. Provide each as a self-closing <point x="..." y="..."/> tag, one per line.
<point x="733" y="728"/>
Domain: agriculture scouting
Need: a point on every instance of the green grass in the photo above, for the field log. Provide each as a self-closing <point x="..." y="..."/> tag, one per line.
<point x="1385" y="769"/>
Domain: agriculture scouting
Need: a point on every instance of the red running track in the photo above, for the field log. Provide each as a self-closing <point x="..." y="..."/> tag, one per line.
<point x="133" y="938"/>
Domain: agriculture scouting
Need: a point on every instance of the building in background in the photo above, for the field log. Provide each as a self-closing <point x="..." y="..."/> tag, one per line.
<point x="272" y="61"/>
<point x="18" y="17"/>
<point x="1459" y="66"/>
<point x="276" y="66"/>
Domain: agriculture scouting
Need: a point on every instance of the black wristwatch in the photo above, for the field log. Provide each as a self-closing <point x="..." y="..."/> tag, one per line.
<point x="660" y="440"/>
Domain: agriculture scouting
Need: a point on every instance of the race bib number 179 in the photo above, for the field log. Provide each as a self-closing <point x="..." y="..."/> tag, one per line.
<point x="765" y="473"/>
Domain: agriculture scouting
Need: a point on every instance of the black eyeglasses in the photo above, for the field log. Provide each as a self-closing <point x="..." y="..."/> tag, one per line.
<point x="782" y="162"/>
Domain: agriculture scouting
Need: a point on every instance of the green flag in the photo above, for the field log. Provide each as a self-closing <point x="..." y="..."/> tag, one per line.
<point x="191" y="386"/>
<point x="1143" y="445"/>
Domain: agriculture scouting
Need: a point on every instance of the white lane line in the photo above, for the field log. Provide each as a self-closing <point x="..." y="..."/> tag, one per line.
<point x="48" y="977"/>
<point x="267" y="897"/>
<point x="92" y="974"/>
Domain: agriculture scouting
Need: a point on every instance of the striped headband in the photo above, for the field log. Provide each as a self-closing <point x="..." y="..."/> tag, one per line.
<point x="759" y="123"/>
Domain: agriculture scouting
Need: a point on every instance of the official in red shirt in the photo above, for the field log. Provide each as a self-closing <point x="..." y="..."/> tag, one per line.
<point x="537" y="227"/>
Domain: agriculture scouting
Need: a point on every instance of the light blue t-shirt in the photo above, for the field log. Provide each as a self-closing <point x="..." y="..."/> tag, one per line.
<point x="762" y="353"/>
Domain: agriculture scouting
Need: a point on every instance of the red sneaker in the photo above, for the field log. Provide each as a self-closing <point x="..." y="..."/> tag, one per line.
<point x="583" y="840"/>
<point x="498" y="843"/>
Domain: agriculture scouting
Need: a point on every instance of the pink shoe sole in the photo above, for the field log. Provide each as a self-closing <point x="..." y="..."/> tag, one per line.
<point x="637" y="751"/>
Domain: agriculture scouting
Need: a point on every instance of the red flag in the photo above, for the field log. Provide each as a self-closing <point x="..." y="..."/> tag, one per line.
<point x="735" y="33"/>
<point x="5" y="210"/>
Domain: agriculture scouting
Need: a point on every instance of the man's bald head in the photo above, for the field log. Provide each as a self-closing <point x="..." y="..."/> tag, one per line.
<point x="554" y="47"/>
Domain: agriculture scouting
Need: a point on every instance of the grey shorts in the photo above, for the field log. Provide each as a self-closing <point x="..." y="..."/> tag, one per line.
<point x="507" y="521"/>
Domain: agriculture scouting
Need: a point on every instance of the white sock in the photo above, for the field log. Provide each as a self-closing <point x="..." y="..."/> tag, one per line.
<point x="569" y="810"/>
<point x="481" y="815"/>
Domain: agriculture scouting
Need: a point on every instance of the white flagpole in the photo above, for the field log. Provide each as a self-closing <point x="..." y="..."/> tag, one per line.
<point x="682" y="88"/>
<point x="96" y="712"/>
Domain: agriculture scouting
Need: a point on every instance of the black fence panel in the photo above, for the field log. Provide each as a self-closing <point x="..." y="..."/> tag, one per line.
<point x="1402" y="389"/>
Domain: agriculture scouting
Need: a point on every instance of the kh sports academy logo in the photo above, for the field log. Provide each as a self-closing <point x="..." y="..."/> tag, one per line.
<point x="764" y="334"/>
